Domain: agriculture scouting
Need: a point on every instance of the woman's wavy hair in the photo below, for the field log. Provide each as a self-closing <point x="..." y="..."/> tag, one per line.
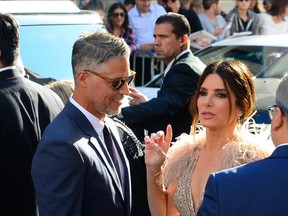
<point x="237" y="78"/>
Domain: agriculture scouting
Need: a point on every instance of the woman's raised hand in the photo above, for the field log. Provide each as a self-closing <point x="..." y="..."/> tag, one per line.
<point x="157" y="146"/>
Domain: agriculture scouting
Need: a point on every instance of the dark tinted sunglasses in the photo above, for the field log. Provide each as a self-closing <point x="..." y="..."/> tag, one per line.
<point x="116" y="83"/>
<point x="243" y="0"/>
<point x="118" y="14"/>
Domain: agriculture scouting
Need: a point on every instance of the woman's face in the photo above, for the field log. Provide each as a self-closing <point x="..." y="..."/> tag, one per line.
<point x="214" y="106"/>
<point x="118" y="17"/>
<point x="244" y="4"/>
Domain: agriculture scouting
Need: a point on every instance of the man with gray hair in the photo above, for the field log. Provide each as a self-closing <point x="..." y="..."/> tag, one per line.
<point x="80" y="167"/>
<point x="258" y="188"/>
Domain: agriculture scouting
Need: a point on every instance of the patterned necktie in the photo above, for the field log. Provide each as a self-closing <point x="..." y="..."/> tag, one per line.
<point x="111" y="149"/>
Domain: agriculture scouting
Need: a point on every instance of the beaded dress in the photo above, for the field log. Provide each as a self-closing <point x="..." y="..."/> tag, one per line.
<point x="182" y="158"/>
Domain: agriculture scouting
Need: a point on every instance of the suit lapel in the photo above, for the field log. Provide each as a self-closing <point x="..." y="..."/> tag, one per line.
<point x="107" y="161"/>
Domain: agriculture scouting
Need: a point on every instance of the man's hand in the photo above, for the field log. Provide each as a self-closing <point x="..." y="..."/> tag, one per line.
<point x="137" y="97"/>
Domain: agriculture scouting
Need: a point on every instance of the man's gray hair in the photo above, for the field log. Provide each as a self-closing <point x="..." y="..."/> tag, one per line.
<point x="281" y="95"/>
<point x="95" y="49"/>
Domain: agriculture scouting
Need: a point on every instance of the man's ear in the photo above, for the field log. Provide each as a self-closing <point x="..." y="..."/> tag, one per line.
<point x="278" y="119"/>
<point x="82" y="78"/>
<point x="184" y="39"/>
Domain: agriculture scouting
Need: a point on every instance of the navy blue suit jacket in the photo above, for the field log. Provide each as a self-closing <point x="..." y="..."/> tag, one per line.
<point x="171" y="104"/>
<point x="258" y="188"/>
<point x="72" y="172"/>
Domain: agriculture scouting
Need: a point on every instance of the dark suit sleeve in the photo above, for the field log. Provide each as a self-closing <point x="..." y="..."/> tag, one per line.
<point x="178" y="87"/>
<point x="58" y="173"/>
<point x="210" y="205"/>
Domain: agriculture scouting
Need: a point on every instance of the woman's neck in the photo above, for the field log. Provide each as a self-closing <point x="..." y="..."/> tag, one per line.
<point x="211" y="16"/>
<point x="277" y="19"/>
<point x="243" y="14"/>
<point x="216" y="140"/>
<point x="117" y="30"/>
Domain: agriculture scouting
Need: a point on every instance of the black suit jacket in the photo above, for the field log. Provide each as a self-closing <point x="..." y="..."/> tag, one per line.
<point x="26" y="108"/>
<point x="72" y="172"/>
<point x="171" y="104"/>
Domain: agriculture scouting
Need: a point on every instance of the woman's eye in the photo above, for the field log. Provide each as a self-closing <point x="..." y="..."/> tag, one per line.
<point x="222" y="95"/>
<point x="202" y="93"/>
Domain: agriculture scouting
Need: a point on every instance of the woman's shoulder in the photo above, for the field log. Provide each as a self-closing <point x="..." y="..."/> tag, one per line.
<point x="248" y="147"/>
<point x="182" y="153"/>
<point x="187" y="144"/>
<point x="264" y="16"/>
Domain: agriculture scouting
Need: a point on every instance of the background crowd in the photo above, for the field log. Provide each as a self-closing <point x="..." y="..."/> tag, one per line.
<point x="135" y="23"/>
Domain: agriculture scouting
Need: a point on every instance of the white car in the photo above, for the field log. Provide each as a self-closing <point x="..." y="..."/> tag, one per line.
<point x="266" y="56"/>
<point x="48" y="30"/>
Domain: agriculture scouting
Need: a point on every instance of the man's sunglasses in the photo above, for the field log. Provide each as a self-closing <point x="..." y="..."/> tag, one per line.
<point x="271" y="110"/>
<point x="116" y="83"/>
<point x="118" y="14"/>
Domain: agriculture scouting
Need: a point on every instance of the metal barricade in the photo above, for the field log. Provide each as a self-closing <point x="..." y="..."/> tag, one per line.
<point x="155" y="64"/>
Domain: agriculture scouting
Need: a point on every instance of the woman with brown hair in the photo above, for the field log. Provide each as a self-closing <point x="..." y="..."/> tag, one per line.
<point x="117" y="23"/>
<point x="224" y="100"/>
<point x="275" y="21"/>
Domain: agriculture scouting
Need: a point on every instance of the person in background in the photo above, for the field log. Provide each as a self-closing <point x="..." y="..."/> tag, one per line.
<point x="117" y="23"/>
<point x="181" y="75"/>
<point x="255" y="6"/>
<point x="63" y="88"/>
<point x="26" y="109"/>
<point x="95" y="5"/>
<point x="275" y="21"/>
<point x="185" y="3"/>
<point x="258" y="188"/>
<point x="211" y="20"/>
<point x="129" y="4"/>
<point x="191" y="16"/>
<point x="197" y="6"/>
<point x="223" y="101"/>
<point x="267" y="5"/>
<point x="142" y="18"/>
<point x="242" y="19"/>
<point x="80" y="167"/>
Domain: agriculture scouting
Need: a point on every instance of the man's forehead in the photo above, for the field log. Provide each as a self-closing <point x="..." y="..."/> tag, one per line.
<point x="164" y="28"/>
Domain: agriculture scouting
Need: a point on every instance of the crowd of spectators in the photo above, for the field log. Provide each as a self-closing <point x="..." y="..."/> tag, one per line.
<point x="136" y="18"/>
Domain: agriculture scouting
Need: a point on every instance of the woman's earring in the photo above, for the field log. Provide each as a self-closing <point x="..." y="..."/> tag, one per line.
<point x="239" y="119"/>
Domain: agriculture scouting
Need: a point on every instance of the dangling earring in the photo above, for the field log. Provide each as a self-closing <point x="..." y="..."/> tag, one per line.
<point x="239" y="123"/>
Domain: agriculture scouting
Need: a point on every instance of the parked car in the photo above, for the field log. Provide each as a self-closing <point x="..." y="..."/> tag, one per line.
<point x="48" y="30"/>
<point x="266" y="56"/>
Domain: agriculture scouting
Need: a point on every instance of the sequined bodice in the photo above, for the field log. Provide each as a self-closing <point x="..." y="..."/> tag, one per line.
<point x="183" y="195"/>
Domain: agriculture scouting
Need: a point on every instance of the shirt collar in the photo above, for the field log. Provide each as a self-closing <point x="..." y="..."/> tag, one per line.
<point x="96" y="123"/>
<point x="171" y="62"/>
<point x="283" y="144"/>
<point x="140" y="14"/>
<point x="8" y="68"/>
